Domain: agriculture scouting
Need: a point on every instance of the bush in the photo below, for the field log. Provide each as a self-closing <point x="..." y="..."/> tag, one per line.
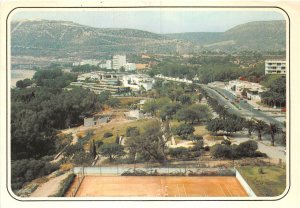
<point x="65" y="185"/>
<point x="26" y="170"/>
<point x="132" y="132"/>
<point x="184" y="130"/>
<point x="199" y="145"/>
<point x="220" y="150"/>
<point x="206" y="148"/>
<point x="246" y="149"/>
<point x="179" y="152"/>
<point x="195" y="138"/>
<point x="226" y="142"/>
<point x="107" y="134"/>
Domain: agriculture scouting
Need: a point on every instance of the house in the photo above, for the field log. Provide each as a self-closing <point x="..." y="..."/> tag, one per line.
<point x="134" y="114"/>
<point x="95" y="120"/>
<point x="253" y="95"/>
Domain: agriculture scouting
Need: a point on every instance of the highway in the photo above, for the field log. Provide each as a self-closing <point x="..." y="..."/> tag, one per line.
<point x="246" y="110"/>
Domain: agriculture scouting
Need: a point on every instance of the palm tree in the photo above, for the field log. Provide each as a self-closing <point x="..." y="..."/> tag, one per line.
<point x="250" y="125"/>
<point x="273" y="129"/>
<point x="260" y="126"/>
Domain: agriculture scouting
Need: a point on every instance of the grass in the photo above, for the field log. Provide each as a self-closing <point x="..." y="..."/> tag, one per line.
<point x="119" y="129"/>
<point x="272" y="182"/>
<point x="201" y="130"/>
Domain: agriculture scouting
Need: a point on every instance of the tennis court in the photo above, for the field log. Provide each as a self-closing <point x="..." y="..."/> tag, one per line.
<point x="160" y="186"/>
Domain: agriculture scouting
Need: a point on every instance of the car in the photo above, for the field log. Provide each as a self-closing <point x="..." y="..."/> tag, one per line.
<point x="256" y="109"/>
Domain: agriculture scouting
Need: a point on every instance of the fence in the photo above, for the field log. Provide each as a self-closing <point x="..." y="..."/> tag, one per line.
<point x="79" y="179"/>
<point x="166" y="171"/>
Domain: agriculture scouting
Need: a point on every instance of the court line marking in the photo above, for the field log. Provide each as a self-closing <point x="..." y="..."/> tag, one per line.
<point x="184" y="189"/>
<point x="228" y="189"/>
<point x="222" y="189"/>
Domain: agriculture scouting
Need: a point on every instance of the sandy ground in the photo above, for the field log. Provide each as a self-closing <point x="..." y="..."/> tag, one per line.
<point x="50" y="187"/>
<point x="17" y="75"/>
<point x="163" y="186"/>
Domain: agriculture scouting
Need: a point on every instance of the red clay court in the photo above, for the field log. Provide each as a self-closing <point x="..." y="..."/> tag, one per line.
<point x="160" y="186"/>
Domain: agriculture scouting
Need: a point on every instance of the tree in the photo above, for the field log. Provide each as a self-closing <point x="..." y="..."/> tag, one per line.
<point x="151" y="144"/>
<point x="250" y="125"/>
<point x="23" y="83"/>
<point x="185" y="99"/>
<point x="169" y="110"/>
<point x="113" y="102"/>
<point x="260" y="126"/>
<point x="186" y="114"/>
<point x="215" y="125"/>
<point x="112" y="150"/>
<point x="184" y="130"/>
<point x="150" y="106"/>
<point x="273" y="129"/>
<point x="202" y="112"/>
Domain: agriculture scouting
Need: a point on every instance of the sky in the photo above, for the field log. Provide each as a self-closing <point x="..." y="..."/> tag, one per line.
<point x="159" y="21"/>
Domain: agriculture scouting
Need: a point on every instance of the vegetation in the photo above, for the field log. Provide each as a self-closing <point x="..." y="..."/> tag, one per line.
<point x="112" y="151"/>
<point x="271" y="181"/>
<point x="244" y="149"/>
<point x="65" y="185"/>
<point x="25" y="170"/>
<point x="149" y="145"/>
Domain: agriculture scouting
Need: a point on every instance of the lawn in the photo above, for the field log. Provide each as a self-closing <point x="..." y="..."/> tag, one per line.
<point x="272" y="182"/>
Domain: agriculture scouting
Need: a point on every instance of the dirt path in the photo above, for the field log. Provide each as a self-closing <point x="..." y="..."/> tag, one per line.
<point x="50" y="187"/>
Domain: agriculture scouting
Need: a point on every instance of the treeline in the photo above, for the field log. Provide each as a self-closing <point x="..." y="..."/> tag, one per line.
<point x="177" y="102"/>
<point x="88" y="68"/>
<point x="208" y="69"/>
<point x="276" y="95"/>
<point x="38" y="112"/>
<point x="230" y="123"/>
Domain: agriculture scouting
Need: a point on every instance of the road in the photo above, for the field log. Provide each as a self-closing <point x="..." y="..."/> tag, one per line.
<point x="246" y="110"/>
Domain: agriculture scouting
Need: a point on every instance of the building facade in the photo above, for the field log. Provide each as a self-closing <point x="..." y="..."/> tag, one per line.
<point x="118" y="61"/>
<point x="275" y="67"/>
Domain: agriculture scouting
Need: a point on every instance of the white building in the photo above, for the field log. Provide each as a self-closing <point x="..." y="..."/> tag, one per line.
<point x="134" y="114"/>
<point x="275" y="67"/>
<point x="108" y="64"/>
<point x="130" y="67"/>
<point x="253" y="90"/>
<point x="118" y="61"/>
<point x="138" y="81"/>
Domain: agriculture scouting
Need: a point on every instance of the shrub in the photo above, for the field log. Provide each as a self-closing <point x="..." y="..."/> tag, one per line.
<point x="199" y="145"/>
<point x="184" y="130"/>
<point x="26" y="170"/>
<point x="107" y="134"/>
<point x="179" y="152"/>
<point x="132" y="132"/>
<point x="195" y="138"/>
<point x="219" y="150"/>
<point x="246" y="149"/>
<point x="206" y="148"/>
<point x="226" y="142"/>
<point x="64" y="185"/>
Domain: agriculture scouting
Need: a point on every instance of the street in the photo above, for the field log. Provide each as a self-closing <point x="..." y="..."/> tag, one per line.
<point x="246" y="110"/>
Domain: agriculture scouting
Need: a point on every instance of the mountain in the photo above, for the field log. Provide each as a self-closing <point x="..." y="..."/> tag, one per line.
<point x="69" y="39"/>
<point x="259" y="36"/>
<point x="45" y="37"/>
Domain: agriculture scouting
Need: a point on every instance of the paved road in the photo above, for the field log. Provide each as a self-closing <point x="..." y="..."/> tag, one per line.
<point x="246" y="110"/>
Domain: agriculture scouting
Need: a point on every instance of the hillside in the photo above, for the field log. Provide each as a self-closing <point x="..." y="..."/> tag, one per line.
<point x="260" y="36"/>
<point x="68" y="39"/>
<point x="45" y="37"/>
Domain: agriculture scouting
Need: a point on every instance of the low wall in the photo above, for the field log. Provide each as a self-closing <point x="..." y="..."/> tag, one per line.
<point x="245" y="185"/>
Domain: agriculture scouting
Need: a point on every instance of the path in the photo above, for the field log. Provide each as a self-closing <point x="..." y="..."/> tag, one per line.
<point x="49" y="188"/>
